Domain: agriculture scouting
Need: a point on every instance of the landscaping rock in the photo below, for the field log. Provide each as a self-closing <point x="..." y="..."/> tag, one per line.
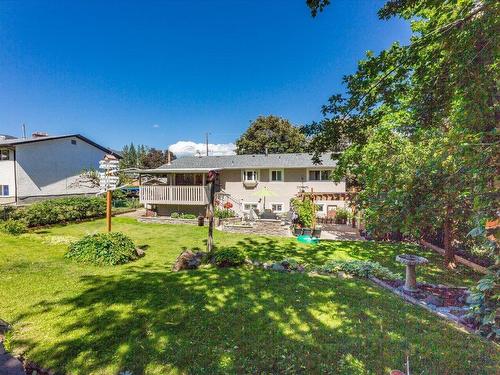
<point x="4" y="326"/>
<point x="188" y="260"/>
<point x="434" y="300"/>
<point x="140" y="253"/>
<point x="278" y="267"/>
<point x="301" y="268"/>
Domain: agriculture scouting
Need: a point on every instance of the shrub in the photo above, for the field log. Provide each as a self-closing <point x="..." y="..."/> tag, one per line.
<point x="13" y="227"/>
<point x="188" y="216"/>
<point x="55" y="211"/>
<point x="484" y="300"/>
<point x="103" y="249"/>
<point x="174" y="215"/>
<point x="359" y="268"/>
<point x="229" y="256"/>
<point x="305" y="211"/>
<point x="342" y="214"/>
<point x="224" y="213"/>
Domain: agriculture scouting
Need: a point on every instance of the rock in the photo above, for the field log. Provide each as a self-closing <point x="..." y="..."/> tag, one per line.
<point x="341" y="275"/>
<point x="4" y="326"/>
<point x="140" y="253"/>
<point x="433" y="300"/>
<point x="256" y="263"/>
<point x="188" y="260"/>
<point x="266" y="266"/>
<point x="285" y="264"/>
<point x="278" y="267"/>
<point x="301" y="268"/>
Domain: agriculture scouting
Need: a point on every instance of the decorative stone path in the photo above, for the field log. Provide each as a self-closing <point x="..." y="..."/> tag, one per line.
<point x="10" y="365"/>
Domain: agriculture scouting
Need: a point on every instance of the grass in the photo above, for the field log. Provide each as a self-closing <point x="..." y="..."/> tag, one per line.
<point x="141" y="317"/>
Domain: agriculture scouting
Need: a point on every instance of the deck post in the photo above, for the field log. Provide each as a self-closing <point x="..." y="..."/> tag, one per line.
<point x="212" y="176"/>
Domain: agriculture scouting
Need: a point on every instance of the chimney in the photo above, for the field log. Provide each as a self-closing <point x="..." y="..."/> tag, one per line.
<point x="267" y="151"/>
<point x="169" y="161"/>
<point x="39" y="135"/>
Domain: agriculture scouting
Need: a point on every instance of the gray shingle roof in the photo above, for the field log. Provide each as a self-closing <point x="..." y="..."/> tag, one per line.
<point x="249" y="161"/>
<point x="19" y="141"/>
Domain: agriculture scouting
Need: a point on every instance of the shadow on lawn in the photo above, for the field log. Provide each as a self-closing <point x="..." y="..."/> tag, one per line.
<point x="240" y="321"/>
<point x="383" y="252"/>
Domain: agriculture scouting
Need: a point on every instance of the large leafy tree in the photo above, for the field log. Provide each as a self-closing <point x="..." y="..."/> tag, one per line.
<point x="417" y="130"/>
<point x="271" y="133"/>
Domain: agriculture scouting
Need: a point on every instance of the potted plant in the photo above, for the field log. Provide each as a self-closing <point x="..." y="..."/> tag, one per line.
<point x="341" y="216"/>
<point x="305" y="210"/>
<point x="297" y="230"/>
<point x="317" y="231"/>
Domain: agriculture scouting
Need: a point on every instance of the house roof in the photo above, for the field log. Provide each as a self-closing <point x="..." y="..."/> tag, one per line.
<point x="20" y="141"/>
<point x="206" y="163"/>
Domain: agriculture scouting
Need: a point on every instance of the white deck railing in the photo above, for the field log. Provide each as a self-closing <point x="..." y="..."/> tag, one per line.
<point x="197" y="195"/>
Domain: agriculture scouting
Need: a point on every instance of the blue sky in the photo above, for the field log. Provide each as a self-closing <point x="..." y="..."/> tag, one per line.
<point x="158" y="72"/>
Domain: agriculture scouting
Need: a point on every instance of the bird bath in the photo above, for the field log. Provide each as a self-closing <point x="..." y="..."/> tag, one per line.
<point x="411" y="262"/>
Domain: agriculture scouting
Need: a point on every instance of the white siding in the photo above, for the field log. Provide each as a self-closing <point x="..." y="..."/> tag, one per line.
<point x="52" y="167"/>
<point x="232" y="183"/>
<point x="7" y="177"/>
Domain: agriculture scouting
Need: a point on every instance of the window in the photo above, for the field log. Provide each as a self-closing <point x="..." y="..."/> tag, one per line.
<point x="250" y="206"/>
<point x="4" y="154"/>
<point x="276" y="175"/>
<point x="4" y="190"/>
<point x="277" y="207"/>
<point x="73" y="141"/>
<point x="250" y="176"/>
<point x="322" y="175"/>
<point x="320" y="207"/>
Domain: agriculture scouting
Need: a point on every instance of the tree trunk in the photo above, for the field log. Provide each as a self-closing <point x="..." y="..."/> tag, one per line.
<point x="449" y="252"/>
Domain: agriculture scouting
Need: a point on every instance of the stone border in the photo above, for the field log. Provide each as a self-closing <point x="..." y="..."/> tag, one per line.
<point x="443" y="314"/>
<point x="466" y="262"/>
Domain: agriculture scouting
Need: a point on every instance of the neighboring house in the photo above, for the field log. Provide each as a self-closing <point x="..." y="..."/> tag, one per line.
<point x="181" y="185"/>
<point x="46" y="166"/>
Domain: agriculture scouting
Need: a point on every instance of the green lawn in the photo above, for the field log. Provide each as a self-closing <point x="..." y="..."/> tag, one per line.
<point x="141" y="317"/>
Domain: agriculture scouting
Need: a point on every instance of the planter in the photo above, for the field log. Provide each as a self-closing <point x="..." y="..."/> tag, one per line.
<point x="306" y="231"/>
<point x="297" y="231"/>
<point x="316" y="232"/>
<point x="341" y="221"/>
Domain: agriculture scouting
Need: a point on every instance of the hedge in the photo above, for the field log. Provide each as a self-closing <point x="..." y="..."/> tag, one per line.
<point x="61" y="210"/>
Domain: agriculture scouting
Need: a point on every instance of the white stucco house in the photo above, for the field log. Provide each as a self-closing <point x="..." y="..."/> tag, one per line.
<point x="181" y="185"/>
<point x="45" y="166"/>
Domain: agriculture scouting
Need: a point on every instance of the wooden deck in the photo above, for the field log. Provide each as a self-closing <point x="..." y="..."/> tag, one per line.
<point x="161" y="194"/>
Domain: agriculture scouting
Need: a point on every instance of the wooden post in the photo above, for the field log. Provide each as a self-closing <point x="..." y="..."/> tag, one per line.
<point x="109" y="196"/>
<point x="212" y="176"/>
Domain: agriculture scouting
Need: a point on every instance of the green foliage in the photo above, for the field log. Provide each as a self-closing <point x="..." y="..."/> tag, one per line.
<point x="176" y="215"/>
<point x="484" y="300"/>
<point x="103" y="249"/>
<point x="229" y="257"/>
<point x="142" y="156"/>
<point x="62" y="210"/>
<point x="187" y="216"/>
<point x="360" y="268"/>
<point x="305" y="210"/>
<point x="223" y="213"/>
<point x="342" y="214"/>
<point x="416" y="132"/>
<point x="273" y="133"/>
<point x="13" y="227"/>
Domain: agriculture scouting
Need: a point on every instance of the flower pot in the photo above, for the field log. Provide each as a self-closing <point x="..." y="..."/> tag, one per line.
<point x="306" y="231"/>
<point x="316" y="232"/>
<point x="297" y="231"/>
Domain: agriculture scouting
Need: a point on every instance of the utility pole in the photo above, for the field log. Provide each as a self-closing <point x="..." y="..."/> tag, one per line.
<point x="206" y="141"/>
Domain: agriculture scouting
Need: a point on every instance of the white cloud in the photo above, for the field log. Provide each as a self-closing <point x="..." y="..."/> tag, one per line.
<point x="189" y="148"/>
<point x="156" y="126"/>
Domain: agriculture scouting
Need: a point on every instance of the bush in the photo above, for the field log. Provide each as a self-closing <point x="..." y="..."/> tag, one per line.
<point x="484" y="300"/>
<point x="13" y="227"/>
<point x="188" y="216"/>
<point x="55" y="211"/>
<point x="224" y="213"/>
<point x="359" y="268"/>
<point x="175" y="215"/>
<point x="229" y="256"/>
<point x="103" y="249"/>
<point x="305" y="211"/>
<point x="342" y="214"/>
